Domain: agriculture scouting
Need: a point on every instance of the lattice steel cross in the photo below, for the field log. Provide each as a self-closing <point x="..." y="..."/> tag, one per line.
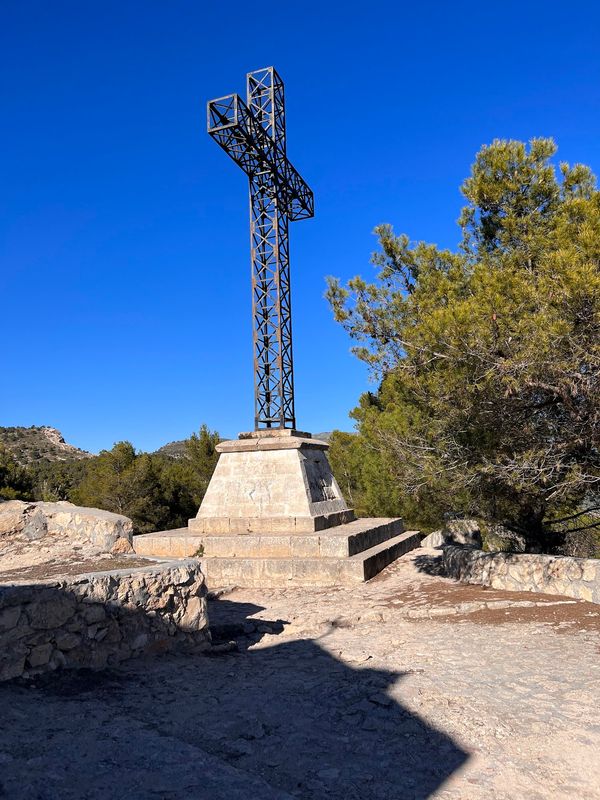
<point x="253" y="135"/>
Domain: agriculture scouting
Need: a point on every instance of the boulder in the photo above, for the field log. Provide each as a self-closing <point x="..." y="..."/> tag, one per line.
<point x="462" y="531"/>
<point x="13" y="516"/>
<point x="122" y="545"/>
<point x="498" y="539"/>
<point x="434" y="539"/>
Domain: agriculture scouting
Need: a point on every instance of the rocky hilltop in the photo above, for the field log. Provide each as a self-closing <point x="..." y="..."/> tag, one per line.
<point x="39" y="443"/>
<point x="44" y="443"/>
<point x="172" y="449"/>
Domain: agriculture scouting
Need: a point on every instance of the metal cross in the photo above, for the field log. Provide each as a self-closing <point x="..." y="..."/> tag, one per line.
<point x="253" y="135"/>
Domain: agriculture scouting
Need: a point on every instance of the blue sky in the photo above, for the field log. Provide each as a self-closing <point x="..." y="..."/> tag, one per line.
<point x="124" y="254"/>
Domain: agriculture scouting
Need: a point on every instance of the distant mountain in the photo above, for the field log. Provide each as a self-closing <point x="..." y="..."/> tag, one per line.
<point x="172" y="449"/>
<point x="43" y="443"/>
<point x="39" y="443"/>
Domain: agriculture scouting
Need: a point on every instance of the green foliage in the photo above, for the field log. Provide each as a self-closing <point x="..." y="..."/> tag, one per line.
<point x="155" y="491"/>
<point x="186" y="479"/>
<point x="346" y="460"/>
<point x="368" y="488"/>
<point x="201" y="457"/>
<point x="488" y="358"/>
<point x="15" y="481"/>
<point x="56" y="480"/>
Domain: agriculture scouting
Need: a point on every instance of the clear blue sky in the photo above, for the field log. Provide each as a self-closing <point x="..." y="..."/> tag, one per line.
<point x="124" y="255"/>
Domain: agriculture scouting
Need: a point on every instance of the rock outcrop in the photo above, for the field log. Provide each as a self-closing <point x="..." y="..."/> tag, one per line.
<point x="35" y="533"/>
<point x="39" y="443"/>
<point x="455" y="531"/>
<point x="462" y="531"/>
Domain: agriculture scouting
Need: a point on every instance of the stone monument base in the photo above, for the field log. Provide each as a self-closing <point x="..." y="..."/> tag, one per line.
<point x="273" y="515"/>
<point x="350" y="553"/>
<point x="272" y="481"/>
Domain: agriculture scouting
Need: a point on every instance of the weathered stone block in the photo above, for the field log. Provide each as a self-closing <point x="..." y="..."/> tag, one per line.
<point x="308" y="571"/>
<point x="9" y="617"/>
<point x="51" y="613"/>
<point x="39" y="655"/>
<point x="271" y="546"/>
<point x="305" y="546"/>
<point x="94" y="613"/>
<point x="67" y="641"/>
<point x="317" y="572"/>
<point x="275" y="571"/>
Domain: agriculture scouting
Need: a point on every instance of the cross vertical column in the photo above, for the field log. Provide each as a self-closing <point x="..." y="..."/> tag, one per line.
<point x="254" y="136"/>
<point x="271" y="290"/>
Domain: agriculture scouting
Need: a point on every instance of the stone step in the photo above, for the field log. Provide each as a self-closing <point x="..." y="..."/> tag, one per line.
<point x="342" y="541"/>
<point x="321" y="571"/>
<point x="177" y="543"/>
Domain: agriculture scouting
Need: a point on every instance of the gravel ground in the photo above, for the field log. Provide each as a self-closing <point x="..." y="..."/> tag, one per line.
<point x="72" y="566"/>
<point x="410" y="686"/>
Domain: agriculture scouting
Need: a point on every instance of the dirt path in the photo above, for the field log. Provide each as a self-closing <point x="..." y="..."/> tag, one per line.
<point x="407" y="687"/>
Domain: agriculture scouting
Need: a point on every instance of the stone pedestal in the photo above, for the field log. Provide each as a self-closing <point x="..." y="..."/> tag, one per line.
<point x="273" y="515"/>
<point x="275" y="481"/>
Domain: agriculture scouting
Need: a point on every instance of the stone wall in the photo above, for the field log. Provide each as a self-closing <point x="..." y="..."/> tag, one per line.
<point x="100" y="619"/>
<point x="527" y="572"/>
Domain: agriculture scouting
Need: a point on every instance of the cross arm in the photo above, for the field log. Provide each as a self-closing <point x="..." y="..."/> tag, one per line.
<point x="233" y="126"/>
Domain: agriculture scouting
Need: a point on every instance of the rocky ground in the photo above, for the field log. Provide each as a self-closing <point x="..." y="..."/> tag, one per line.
<point x="408" y="687"/>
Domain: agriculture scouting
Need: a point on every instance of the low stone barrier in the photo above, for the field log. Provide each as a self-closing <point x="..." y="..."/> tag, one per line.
<point x="100" y="619"/>
<point x="26" y="522"/>
<point x="525" y="572"/>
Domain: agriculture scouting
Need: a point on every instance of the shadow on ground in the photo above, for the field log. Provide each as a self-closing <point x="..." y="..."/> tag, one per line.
<point x="279" y="721"/>
<point x="430" y="565"/>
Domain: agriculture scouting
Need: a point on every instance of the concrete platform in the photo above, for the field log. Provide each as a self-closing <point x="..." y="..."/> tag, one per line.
<point x="324" y="571"/>
<point x="343" y="541"/>
<point x="350" y="553"/>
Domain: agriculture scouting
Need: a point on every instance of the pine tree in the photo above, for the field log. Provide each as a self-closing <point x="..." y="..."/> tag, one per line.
<point x="488" y="358"/>
<point x="16" y="482"/>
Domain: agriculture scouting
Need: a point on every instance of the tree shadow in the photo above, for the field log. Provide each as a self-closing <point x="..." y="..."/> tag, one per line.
<point x="288" y="720"/>
<point x="233" y="622"/>
<point x="430" y="565"/>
